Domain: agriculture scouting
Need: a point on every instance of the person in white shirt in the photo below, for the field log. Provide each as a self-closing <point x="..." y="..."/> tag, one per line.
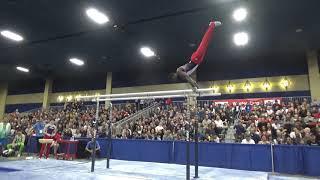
<point x="247" y="140"/>
<point x="219" y="122"/>
<point x="159" y="128"/>
<point x="269" y="110"/>
<point x="206" y="121"/>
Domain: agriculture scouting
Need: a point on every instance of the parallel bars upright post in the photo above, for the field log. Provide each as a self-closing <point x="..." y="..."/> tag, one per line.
<point x="95" y="137"/>
<point x="109" y="137"/>
<point x="144" y="95"/>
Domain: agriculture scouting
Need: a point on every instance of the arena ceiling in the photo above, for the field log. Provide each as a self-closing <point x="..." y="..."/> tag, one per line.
<point x="54" y="31"/>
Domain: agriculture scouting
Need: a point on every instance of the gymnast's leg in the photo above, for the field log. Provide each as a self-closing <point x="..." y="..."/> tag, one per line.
<point x="197" y="57"/>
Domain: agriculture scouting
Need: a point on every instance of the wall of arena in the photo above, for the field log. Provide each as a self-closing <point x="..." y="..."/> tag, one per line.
<point x="238" y="86"/>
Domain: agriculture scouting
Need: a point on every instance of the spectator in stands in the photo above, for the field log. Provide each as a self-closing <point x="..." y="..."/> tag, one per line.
<point x="17" y="144"/>
<point x="240" y="130"/>
<point x="247" y="139"/>
<point x="275" y="122"/>
<point x="254" y="135"/>
<point x="168" y="136"/>
<point x="264" y="140"/>
<point x="67" y="134"/>
<point x="309" y="118"/>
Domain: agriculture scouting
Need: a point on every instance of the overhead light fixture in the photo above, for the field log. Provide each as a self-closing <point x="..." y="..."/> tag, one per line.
<point x="266" y="84"/>
<point x="241" y="38"/>
<point x="60" y="98"/>
<point x="247" y="86"/>
<point x="77" y="61"/>
<point x="97" y="16"/>
<point x="11" y="35"/>
<point x="23" y="69"/>
<point x="215" y="88"/>
<point x="69" y="98"/>
<point x="285" y="83"/>
<point x="147" y="52"/>
<point x="77" y="97"/>
<point x="230" y="87"/>
<point x="240" y="14"/>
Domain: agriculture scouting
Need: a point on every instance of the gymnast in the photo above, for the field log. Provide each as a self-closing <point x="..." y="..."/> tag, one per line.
<point x="186" y="70"/>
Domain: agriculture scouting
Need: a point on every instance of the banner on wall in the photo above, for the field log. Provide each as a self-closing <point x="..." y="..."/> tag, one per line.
<point x="251" y="101"/>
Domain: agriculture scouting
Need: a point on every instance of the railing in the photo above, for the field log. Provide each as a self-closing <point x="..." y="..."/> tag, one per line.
<point x="132" y="118"/>
<point x="179" y="103"/>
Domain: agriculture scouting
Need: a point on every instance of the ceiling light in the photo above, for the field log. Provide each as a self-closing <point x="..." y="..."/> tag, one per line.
<point x="11" y="35"/>
<point x="77" y="61"/>
<point x="241" y="39"/>
<point x="146" y="51"/>
<point x="97" y="16"/>
<point x="23" y="69"/>
<point x="240" y="14"/>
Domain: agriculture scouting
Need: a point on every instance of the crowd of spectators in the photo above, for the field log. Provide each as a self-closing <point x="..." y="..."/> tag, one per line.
<point x="73" y="120"/>
<point x="290" y="122"/>
<point x="170" y="122"/>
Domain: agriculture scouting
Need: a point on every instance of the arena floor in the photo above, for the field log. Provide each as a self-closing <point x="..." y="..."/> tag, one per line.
<point x="120" y="170"/>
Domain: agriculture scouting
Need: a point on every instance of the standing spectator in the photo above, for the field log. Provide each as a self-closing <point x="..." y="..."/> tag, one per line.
<point x="38" y="129"/>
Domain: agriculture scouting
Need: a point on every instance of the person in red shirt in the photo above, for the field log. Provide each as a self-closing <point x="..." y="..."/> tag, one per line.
<point x="186" y="70"/>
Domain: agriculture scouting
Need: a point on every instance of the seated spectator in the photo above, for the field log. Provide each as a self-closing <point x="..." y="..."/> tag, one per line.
<point x="67" y="134"/>
<point x="216" y="139"/>
<point x="17" y="144"/>
<point x="313" y="141"/>
<point x="255" y="136"/>
<point x="219" y="124"/>
<point x="77" y="134"/>
<point x="309" y="118"/>
<point x="89" y="148"/>
<point x="247" y="140"/>
<point x="240" y="129"/>
<point x="168" y="136"/>
<point x="264" y="140"/>
<point x="288" y="141"/>
<point x="159" y="128"/>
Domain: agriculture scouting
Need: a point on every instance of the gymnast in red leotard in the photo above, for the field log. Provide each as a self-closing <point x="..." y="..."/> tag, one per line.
<point x="186" y="70"/>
